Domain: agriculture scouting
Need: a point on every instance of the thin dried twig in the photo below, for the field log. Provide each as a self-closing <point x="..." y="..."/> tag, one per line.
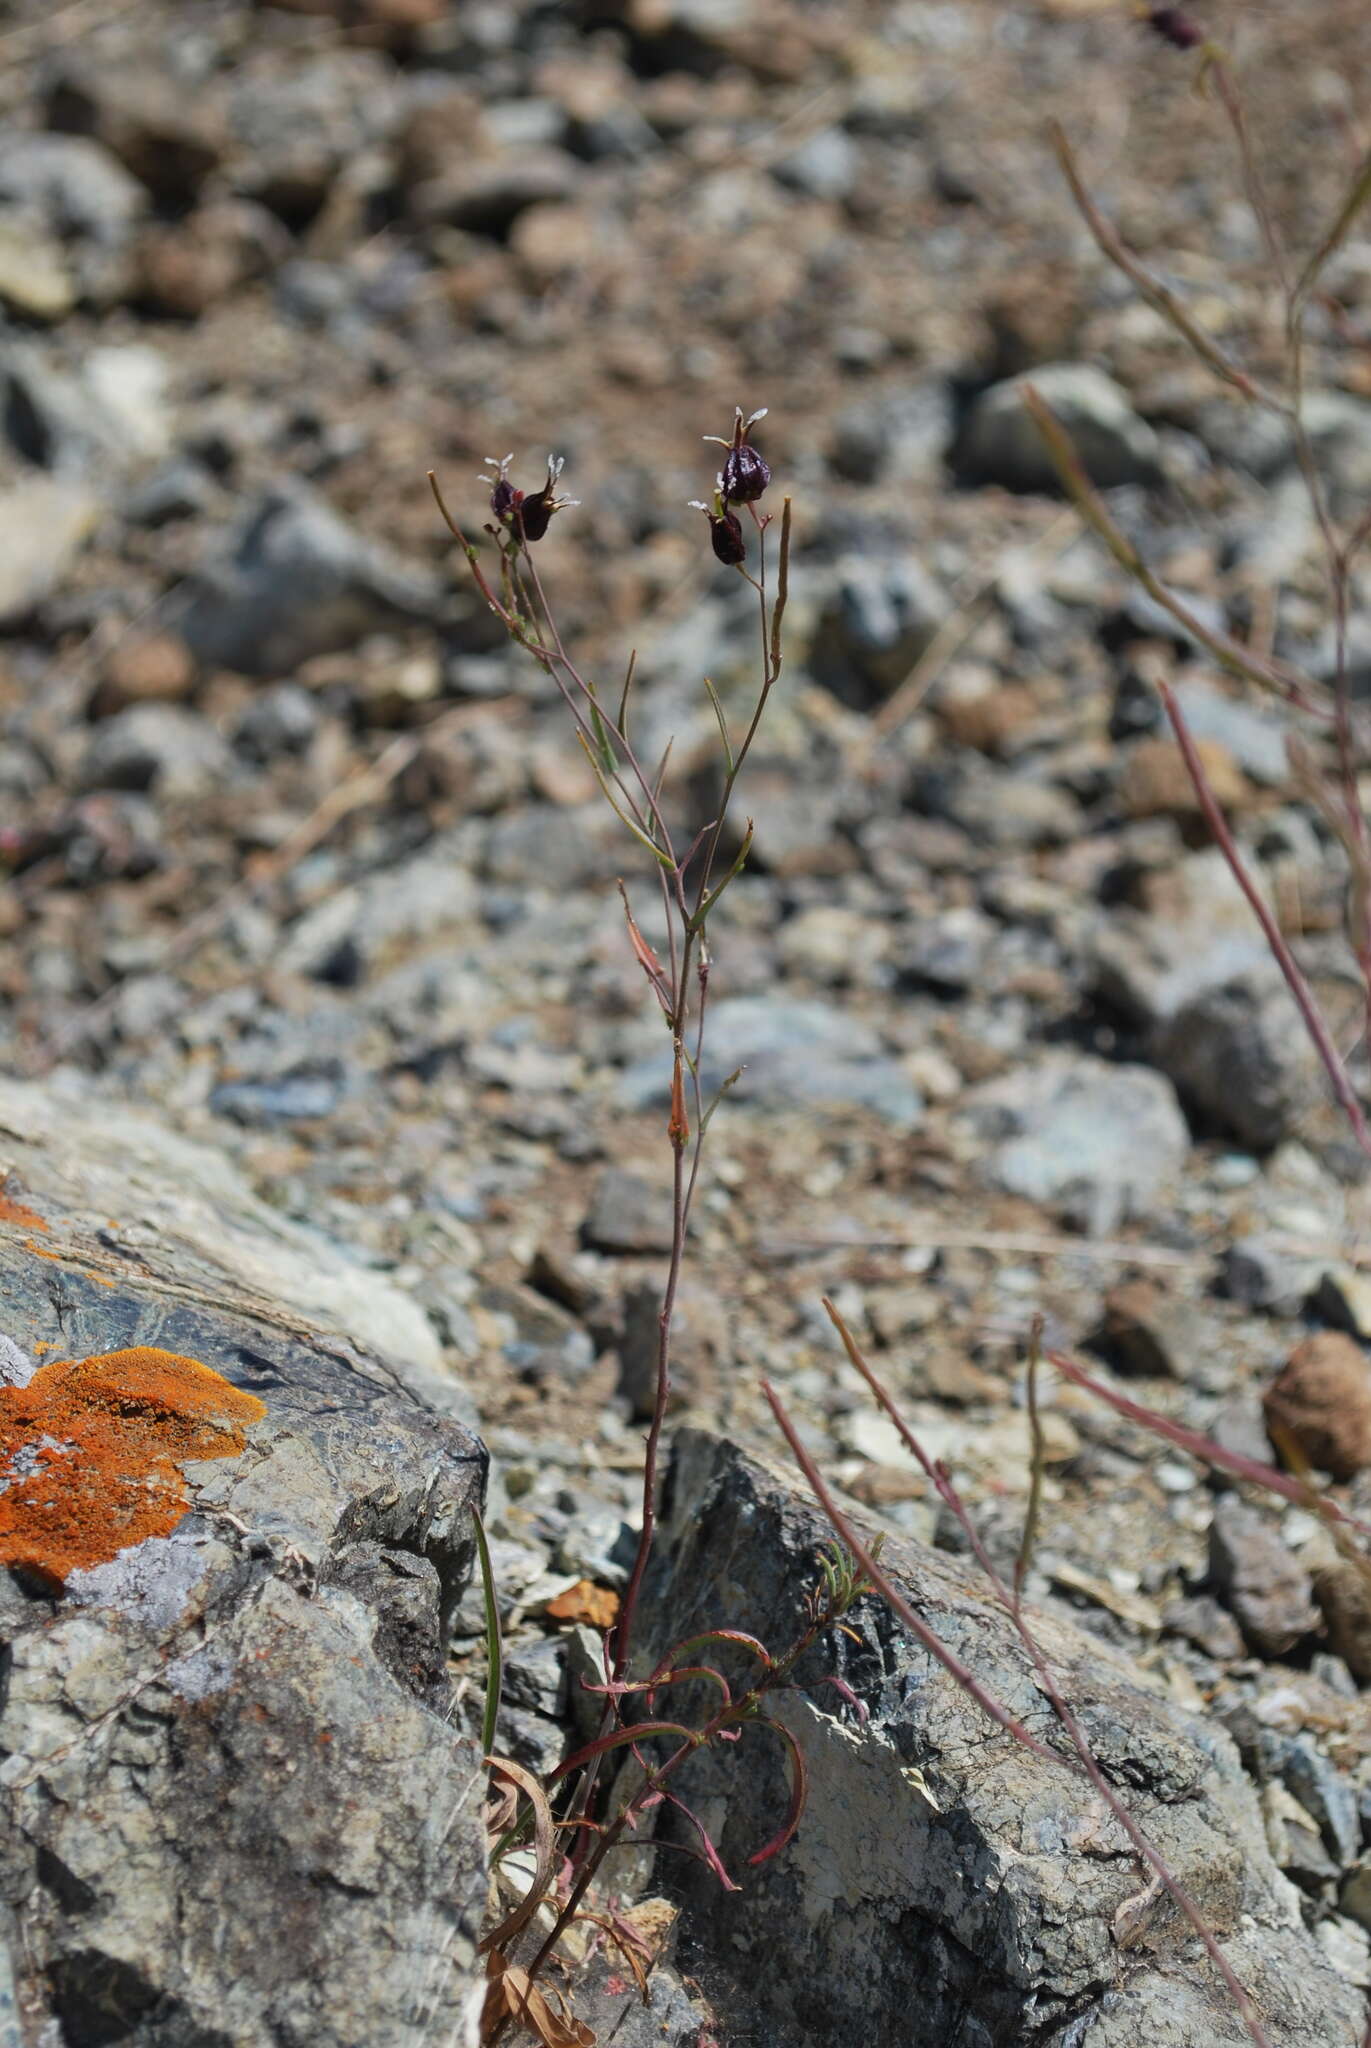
<point x="1204" y="1449"/>
<point x="1357" y="196"/>
<point x="956" y="1669"/>
<point x="1157" y="295"/>
<point x="1037" y="1461"/>
<point x="1230" y="654"/>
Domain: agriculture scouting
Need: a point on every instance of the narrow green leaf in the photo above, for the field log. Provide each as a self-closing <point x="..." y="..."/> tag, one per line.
<point x="707" y="902"/>
<point x="622" y="720"/>
<point x="619" y="812"/>
<point x="608" y="758"/>
<point x="713" y="696"/>
<point x="495" y="1651"/>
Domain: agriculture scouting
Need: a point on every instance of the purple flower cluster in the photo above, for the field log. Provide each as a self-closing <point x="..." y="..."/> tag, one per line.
<point x="744" y="476"/>
<point x="526" y="515"/>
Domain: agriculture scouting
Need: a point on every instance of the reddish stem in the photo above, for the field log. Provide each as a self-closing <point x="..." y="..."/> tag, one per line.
<point x="1294" y="975"/>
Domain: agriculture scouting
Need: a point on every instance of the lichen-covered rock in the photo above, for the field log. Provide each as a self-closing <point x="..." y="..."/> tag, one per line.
<point x="232" y="1807"/>
<point x="945" y="1884"/>
<point x="92" y="1452"/>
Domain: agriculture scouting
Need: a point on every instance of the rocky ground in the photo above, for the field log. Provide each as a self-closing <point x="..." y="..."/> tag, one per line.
<point x="300" y="853"/>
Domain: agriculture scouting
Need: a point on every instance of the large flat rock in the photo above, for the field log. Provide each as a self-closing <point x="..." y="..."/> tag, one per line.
<point x="947" y="1885"/>
<point x="232" y="1809"/>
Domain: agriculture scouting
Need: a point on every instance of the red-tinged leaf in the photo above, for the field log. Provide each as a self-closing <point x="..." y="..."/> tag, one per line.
<point x="707" y="1848"/>
<point x="737" y="1636"/>
<point x="1205" y="1449"/>
<point x="799" y="1792"/>
<point x="644" y="955"/>
<point x="617" y="1688"/>
<point x="840" y="1685"/>
<point x="620" y="1738"/>
<point x="681" y="1673"/>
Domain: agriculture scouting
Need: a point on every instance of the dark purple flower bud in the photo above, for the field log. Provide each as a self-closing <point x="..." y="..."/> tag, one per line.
<point x="745" y="473"/>
<point x="536" y="509"/>
<point x="503" y="496"/>
<point x="725" y="530"/>
<point x="1175" y="28"/>
<point x="726" y="539"/>
<point x="535" y="514"/>
<point x="526" y="514"/>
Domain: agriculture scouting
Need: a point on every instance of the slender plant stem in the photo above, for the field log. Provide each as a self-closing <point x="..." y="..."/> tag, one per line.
<point x="1275" y="938"/>
<point x="1012" y="1602"/>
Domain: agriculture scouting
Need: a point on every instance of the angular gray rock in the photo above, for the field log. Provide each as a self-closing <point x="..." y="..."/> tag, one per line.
<point x="1151" y="963"/>
<point x="1000" y="444"/>
<point x="1095" y="1140"/>
<point x="946" y="1885"/>
<point x="148" y="1196"/>
<point x="296" y="580"/>
<point x="165" y="747"/>
<point x="232" y="1807"/>
<point x="878" y="618"/>
<point x="792" y="1053"/>
<point x="1266" y="1590"/>
<point x="1240" y="1053"/>
<point x="826" y="165"/>
<point x="1339" y="428"/>
<point x="96" y="426"/>
<point x="82" y="196"/>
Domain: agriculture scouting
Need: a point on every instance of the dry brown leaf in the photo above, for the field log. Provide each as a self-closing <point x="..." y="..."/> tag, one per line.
<point x="510" y="1993"/>
<point x="586" y="1602"/>
<point x="545" y="1847"/>
<point x="500" y="1811"/>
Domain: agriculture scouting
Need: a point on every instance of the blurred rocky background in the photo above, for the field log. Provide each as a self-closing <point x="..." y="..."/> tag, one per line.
<point x="298" y="852"/>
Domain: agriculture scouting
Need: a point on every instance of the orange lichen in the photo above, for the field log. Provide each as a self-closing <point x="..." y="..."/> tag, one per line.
<point x="15" y="1212"/>
<point x="90" y="1454"/>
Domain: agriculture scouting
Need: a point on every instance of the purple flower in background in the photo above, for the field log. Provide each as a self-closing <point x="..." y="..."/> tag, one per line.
<point x="1174" y="27"/>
